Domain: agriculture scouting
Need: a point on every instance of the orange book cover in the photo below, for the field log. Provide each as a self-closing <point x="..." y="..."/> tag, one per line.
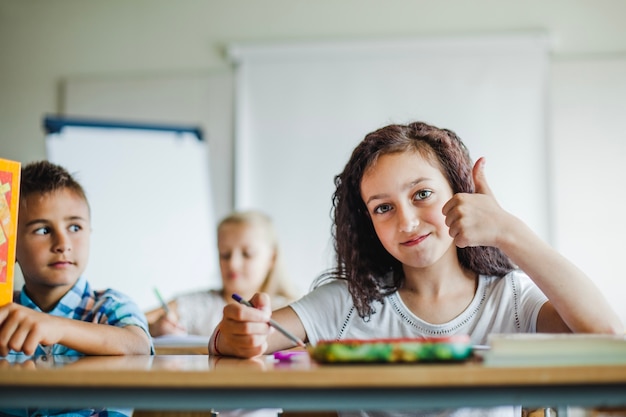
<point x="9" y="203"/>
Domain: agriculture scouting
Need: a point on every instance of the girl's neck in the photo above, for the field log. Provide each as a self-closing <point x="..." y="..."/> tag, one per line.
<point x="438" y="294"/>
<point x="439" y="279"/>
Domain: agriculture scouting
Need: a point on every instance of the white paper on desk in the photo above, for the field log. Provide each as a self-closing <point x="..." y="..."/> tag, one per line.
<point x="180" y="340"/>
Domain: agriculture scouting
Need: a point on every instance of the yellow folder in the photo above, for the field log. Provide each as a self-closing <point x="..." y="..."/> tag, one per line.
<point x="9" y="203"/>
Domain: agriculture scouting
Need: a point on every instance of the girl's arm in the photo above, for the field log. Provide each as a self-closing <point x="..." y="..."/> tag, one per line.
<point x="244" y="331"/>
<point x="575" y="303"/>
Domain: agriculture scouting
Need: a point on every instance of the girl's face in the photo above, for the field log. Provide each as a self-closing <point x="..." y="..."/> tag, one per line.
<point x="53" y="240"/>
<point x="246" y="257"/>
<point x="404" y="194"/>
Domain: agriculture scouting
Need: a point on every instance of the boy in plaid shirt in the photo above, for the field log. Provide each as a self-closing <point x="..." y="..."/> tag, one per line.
<point x="57" y="312"/>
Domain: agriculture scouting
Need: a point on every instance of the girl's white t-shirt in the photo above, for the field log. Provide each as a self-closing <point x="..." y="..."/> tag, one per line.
<point x="500" y="305"/>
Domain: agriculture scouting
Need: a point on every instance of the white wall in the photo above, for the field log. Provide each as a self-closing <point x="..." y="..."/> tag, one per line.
<point x="44" y="42"/>
<point x="588" y="131"/>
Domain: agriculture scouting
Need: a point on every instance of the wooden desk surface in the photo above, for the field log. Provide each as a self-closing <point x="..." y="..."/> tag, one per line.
<point x="148" y="381"/>
<point x="207" y="371"/>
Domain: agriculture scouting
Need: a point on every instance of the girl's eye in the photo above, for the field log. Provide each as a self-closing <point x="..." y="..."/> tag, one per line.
<point x="423" y="194"/>
<point x="42" y="231"/>
<point x="383" y="208"/>
<point x="75" y="228"/>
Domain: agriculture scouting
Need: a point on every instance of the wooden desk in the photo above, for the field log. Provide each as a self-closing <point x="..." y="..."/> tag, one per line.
<point x="197" y="382"/>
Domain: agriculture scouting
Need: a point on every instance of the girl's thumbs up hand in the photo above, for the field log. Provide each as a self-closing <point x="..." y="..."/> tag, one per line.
<point x="480" y="180"/>
<point x="476" y="219"/>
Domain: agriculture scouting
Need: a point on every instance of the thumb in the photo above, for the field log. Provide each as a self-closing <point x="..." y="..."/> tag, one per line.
<point x="480" y="180"/>
<point x="261" y="301"/>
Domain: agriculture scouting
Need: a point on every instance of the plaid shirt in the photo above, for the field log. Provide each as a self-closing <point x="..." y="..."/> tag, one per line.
<point x="85" y="304"/>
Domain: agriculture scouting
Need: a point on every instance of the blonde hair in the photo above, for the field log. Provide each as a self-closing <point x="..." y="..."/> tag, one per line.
<point x="276" y="282"/>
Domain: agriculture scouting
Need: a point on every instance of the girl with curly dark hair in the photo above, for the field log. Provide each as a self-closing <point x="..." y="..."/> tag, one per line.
<point x="423" y="249"/>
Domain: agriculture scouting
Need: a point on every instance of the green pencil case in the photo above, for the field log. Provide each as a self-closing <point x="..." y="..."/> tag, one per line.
<point x="398" y="350"/>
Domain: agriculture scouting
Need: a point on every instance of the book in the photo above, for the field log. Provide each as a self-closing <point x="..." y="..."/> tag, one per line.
<point x="9" y="203"/>
<point x="549" y="349"/>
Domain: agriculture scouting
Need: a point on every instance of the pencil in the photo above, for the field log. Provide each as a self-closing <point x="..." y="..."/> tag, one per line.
<point x="272" y="323"/>
<point x="162" y="301"/>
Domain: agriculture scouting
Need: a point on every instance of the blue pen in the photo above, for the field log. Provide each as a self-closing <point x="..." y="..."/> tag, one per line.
<point x="272" y="323"/>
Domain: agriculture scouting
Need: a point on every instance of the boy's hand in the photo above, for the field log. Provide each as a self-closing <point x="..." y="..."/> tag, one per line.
<point x="476" y="219"/>
<point x="23" y="329"/>
<point x="243" y="330"/>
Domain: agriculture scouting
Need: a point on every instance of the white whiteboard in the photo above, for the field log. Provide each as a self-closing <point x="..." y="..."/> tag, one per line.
<point x="302" y="107"/>
<point x="152" y="214"/>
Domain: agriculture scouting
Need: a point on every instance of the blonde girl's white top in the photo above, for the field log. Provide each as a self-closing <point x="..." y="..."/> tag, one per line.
<point x="201" y="311"/>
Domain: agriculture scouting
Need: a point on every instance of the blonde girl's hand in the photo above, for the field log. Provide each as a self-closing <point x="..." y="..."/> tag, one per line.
<point x="477" y="219"/>
<point x="167" y="324"/>
<point x="243" y="330"/>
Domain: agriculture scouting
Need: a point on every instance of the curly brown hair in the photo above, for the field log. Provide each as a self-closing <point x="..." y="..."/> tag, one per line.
<point x="372" y="273"/>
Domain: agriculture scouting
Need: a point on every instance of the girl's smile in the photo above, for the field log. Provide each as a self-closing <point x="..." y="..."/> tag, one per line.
<point x="415" y="241"/>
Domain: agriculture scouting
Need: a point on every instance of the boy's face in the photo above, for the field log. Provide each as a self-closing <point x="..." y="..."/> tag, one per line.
<point x="53" y="240"/>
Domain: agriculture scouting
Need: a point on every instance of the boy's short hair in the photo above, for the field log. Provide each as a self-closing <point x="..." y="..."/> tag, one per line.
<point x="44" y="177"/>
